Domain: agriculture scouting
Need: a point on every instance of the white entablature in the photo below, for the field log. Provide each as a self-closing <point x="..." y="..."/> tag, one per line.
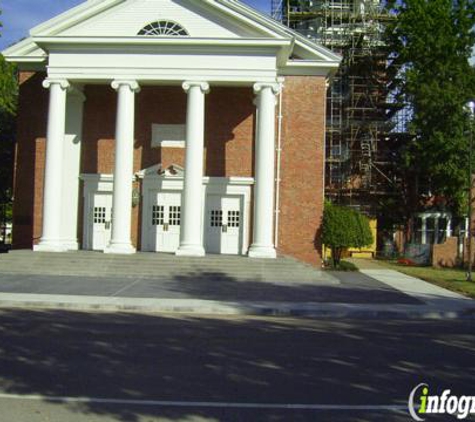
<point x="227" y="43"/>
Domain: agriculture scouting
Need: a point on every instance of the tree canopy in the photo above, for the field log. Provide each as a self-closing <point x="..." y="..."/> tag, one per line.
<point x="431" y="42"/>
<point x="8" y="106"/>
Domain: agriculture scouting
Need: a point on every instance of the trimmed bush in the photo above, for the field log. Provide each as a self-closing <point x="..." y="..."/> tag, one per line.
<point x="346" y="266"/>
<point x="344" y="228"/>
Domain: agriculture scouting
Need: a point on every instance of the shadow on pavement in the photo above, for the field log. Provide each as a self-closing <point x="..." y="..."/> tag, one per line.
<point x="216" y="285"/>
<point x="248" y="360"/>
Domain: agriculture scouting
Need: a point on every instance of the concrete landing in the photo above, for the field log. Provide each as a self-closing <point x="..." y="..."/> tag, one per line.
<point x="163" y="267"/>
<point x="153" y="283"/>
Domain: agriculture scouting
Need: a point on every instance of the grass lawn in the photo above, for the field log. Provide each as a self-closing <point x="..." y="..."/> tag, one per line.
<point x="451" y="279"/>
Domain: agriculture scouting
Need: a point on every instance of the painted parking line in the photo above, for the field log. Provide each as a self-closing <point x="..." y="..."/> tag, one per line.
<point x="171" y="403"/>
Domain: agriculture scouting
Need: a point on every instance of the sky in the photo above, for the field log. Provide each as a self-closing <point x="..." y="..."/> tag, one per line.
<point x="19" y="16"/>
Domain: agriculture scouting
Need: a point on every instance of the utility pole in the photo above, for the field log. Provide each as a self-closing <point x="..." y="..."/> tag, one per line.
<point x="471" y="107"/>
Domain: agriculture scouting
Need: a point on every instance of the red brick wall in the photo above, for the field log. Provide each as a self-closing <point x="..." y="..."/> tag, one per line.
<point x="229" y="129"/>
<point x="29" y="159"/>
<point x="229" y="149"/>
<point x="303" y="131"/>
<point x="446" y="254"/>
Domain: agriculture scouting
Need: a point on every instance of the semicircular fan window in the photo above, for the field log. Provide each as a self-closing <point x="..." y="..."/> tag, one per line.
<point x="163" y="28"/>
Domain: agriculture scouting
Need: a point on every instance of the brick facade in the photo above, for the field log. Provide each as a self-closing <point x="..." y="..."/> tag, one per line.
<point x="29" y="159"/>
<point x="229" y="150"/>
<point x="446" y="254"/>
<point x="303" y="133"/>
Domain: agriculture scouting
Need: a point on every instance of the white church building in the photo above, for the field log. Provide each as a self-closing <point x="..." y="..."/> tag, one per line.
<point x="181" y="126"/>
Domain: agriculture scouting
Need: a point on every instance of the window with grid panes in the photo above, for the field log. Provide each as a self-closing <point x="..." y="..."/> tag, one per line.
<point x="216" y="218"/>
<point x="99" y="215"/>
<point x="163" y="28"/>
<point x="175" y="215"/>
<point x="158" y="214"/>
<point x="234" y="218"/>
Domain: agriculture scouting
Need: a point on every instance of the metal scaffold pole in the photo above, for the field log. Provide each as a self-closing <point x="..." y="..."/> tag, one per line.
<point x="359" y="131"/>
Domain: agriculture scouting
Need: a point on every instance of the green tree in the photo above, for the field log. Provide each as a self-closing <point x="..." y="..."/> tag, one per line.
<point x="363" y="234"/>
<point x="8" y="106"/>
<point x="432" y="41"/>
<point x="344" y="228"/>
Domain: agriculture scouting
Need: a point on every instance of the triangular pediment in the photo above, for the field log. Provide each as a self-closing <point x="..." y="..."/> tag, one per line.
<point x="125" y="18"/>
<point x="172" y="171"/>
<point x="118" y="23"/>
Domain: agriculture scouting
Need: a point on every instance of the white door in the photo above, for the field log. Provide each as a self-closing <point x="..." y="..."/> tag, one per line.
<point x="164" y="222"/>
<point x="224" y="224"/>
<point x="100" y="217"/>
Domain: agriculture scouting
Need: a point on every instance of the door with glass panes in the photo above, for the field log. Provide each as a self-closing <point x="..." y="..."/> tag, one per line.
<point x="101" y="214"/>
<point x="165" y="218"/>
<point x="223" y="224"/>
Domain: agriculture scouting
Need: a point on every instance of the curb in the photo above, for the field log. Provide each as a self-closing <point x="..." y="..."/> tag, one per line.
<point x="208" y="307"/>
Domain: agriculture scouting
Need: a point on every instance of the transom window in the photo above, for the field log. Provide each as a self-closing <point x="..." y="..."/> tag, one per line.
<point x="163" y="28"/>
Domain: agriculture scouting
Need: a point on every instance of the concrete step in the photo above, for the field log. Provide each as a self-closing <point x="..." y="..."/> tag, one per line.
<point x="146" y="258"/>
<point x="150" y="259"/>
<point x="161" y="274"/>
<point x="162" y="267"/>
<point x="157" y="266"/>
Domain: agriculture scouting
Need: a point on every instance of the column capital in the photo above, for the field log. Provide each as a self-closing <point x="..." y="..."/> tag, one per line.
<point x="63" y="83"/>
<point x="204" y="86"/>
<point x="77" y="91"/>
<point x="133" y="85"/>
<point x="274" y="86"/>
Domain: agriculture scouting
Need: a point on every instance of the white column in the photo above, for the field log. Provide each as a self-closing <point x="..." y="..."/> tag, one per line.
<point x="51" y="236"/>
<point x="436" y="229"/>
<point x="424" y="230"/>
<point x="263" y="240"/>
<point x="191" y="238"/>
<point x="121" y="242"/>
<point x="72" y="168"/>
<point x="448" y="231"/>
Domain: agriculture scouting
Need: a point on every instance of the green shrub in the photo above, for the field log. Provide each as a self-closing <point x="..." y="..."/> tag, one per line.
<point x="364" y="236"/>
<point x="346" y="266"/>
<point x="344" y="228"/>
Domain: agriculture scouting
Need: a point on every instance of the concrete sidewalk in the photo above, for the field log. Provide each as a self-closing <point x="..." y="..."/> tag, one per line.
<point x="434" y="303"/>
<point x="226" y="286"/>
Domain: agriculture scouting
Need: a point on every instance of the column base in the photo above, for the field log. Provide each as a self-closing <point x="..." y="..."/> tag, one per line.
<point x="190" y="250"/>
<point x="71" y="245"/>
<point x="267" y="252"/>
<point x="120" y="249"/>
<point x="50" y="246"/>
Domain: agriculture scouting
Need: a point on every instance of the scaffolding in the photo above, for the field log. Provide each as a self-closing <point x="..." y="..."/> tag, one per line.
<point x="361" y="120"/>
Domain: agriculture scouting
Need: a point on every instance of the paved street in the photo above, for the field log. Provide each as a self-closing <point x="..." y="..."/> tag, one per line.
<point x="130" y="367"/>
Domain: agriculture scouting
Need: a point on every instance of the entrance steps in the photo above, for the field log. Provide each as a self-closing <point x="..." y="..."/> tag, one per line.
<point x="160" y="266"/>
